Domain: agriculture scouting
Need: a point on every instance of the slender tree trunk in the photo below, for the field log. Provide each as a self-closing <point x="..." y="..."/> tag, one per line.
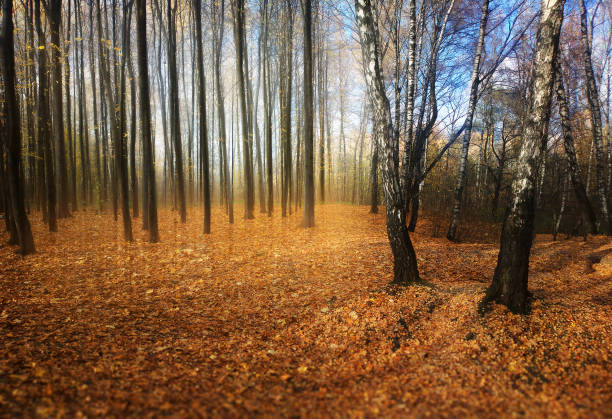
<point x="133" y="171"/>
<point x="32" y="190"/>
<point x="404" y="257"/>
<point x="55" y="16"/>
<point x="239" y="28"/>
<point x="260" y="168"/>
<point x="320" y="97"/>
<point x="568" y="143"/>
<point x="175" y="119"/>
<point x="267" y="111"/>
<point x="461" y="175"/>
<point x="202" y="113"/>
<point x="412" y="79"/>
<point x="92" y="67"/>
<point x="145" y="117"/>
<point x="298" y="155"/>
<point x="218" y="26"/>
<point x="557" y="219"/>
<point x="500" y="171"/>
<point x="374" y="176"/>
<point x="595" y="113"/>
<point x="308" y="119"/>
<point x="44" y="121"/>
<point x="69" y="131"/>
<point x="286" y="82"/>
<point x="509" y="286"/>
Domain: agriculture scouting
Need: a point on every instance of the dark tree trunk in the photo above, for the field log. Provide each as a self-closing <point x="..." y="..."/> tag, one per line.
<point x="122" y="164"/>
<point x="133" y="171"/>
<point x="239" y="28"/>
<point x="500" y="172"/>
<point x="202" y="113"/>
<point x="509" y="286"/>
<point x="570" y="151"/>
<point x="320" y="95"/>
<point x="69" y="116"/>
<point x="175" y="119"/>
<point x="55" y="16"/>
<point x="309" y="219"/>
<point x="258" y="145"/>
<point x="13" y="133"/>
<point x="44" y="122"/>
<point x="5" y="193"/>
<point x="285" y="101"/>
<point x="218" y="28"/>
<point x="83" y="128"/>
<point x="374" y="177"/>
<point x="595" y="112"/>
<point x="267" y="112"/>
<point x="116" y="110"/>
<point x="149" y="193"/>
<point x="92" y="66"/>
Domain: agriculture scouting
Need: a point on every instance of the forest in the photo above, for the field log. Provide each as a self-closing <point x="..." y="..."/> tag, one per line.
<point x="305" y="208"/>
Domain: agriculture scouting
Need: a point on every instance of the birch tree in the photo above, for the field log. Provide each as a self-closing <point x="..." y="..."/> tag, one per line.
<point x="404" y="257"/>
<point x="509" y="286"/>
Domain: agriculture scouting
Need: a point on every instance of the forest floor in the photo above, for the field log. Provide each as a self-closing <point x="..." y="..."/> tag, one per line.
<point x="267" y="318"/>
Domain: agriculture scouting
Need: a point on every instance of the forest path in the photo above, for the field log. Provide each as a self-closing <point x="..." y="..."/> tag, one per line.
<point x="265" y="317"/>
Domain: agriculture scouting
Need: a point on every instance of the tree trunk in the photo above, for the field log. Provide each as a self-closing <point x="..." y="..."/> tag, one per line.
<point x="461" y="175"/>
<point x="218" y="25"/>
<point x="69" y="133"/>
<point x="149" y="192"/>
<point x="239" y="28"/>
<point x="509" y="286"/>
<point x="308" y="220"/>
<point x="13" y="133"/>
<point x="267" y="111"/>
<point x="404" y="257"/>
<point x="595" y="112"/>
<point x="133" y="172"/>
<point x="412" y="79"/>
<point x="320" y="97"/>
<point x="570" y="151"/>
<point x="374" y="176"/>
<point x="44" y="121"/>
<point x="55" y="16"/>
<point x="202" y="113"/>
<point x="285" y="101"/>
<point x="175" y="119"/>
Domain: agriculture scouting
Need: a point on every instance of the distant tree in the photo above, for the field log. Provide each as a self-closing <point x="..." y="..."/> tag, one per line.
<point x="116" y="106"/>
<point x="70" y="135"/>
<point x="592" y="95"/>
<point x="570" y="151"/>
<point x="202" y="113"/>
<point x="267" y="93"/>
<point x="286" y="82"/>
<point x="217" y="22"/>
<point x="149" y="192"/>
<point x="175" y="118"/>
<point x="467" y="134"/>
<point x="238" y="12"/>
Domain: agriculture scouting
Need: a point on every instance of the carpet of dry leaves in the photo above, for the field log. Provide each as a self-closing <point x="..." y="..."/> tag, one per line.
<point x="267" y="318"/>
